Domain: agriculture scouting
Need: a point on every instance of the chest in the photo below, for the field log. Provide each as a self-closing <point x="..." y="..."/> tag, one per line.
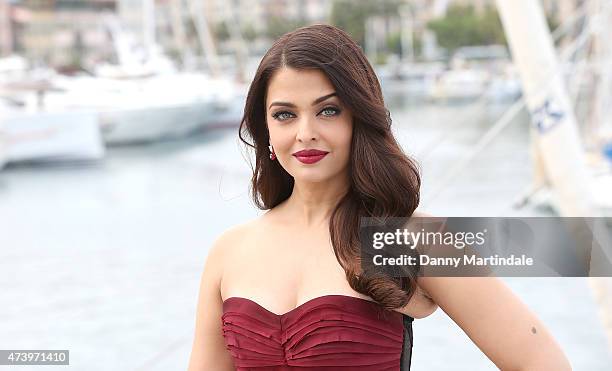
<point x="284" y="263"/>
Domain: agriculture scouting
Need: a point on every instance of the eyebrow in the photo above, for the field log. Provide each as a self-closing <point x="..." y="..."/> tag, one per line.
<point x="318" y="100"/>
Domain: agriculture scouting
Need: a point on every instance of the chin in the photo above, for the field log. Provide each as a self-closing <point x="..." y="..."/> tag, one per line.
<point x="311" y="175"/>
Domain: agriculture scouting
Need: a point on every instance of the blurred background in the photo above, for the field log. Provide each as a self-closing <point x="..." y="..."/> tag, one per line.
<point x="120" y="161"/>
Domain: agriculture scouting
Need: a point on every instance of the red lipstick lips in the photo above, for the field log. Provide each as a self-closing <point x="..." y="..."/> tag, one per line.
<point x="310" y="156"/>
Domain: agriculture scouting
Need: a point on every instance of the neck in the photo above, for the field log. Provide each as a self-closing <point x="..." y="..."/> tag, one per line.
<point x="312" y="203"/>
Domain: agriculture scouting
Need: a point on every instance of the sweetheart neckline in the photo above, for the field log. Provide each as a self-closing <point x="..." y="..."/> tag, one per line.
<point x="307" y="302"/>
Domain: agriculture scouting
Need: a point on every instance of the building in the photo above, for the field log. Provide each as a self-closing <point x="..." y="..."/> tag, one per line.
<point x="64" y="32"/>
<point x="13" y="17"/>
<point x="7" y="40"/>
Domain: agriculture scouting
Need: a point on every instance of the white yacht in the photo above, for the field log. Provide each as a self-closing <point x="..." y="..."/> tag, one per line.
<point x="152" y="108"/>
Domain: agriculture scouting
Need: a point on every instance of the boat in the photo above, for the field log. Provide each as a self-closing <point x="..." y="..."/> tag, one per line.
<point x="153" y="108"/>
<point x="459" y="85"/>
<point x="54" y="136"/>
<point x="144" y="97"/>
<point x="412" y="78"/>
<point x="30" y="134"/>
<point x="475" y="72"/>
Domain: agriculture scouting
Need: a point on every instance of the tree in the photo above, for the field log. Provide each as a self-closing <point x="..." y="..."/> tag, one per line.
<point x="249" y="33"/>
<point x="350" y="15"/>
<point x="463" y="26"/>
<point x="221" y="31"/>
<point x="278" y="26"/>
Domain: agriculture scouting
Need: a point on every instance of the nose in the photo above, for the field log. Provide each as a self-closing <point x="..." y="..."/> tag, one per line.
<point x="306" y="130"/>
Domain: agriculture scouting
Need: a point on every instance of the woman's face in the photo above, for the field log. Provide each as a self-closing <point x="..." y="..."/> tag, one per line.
<point x="302" y="113"/>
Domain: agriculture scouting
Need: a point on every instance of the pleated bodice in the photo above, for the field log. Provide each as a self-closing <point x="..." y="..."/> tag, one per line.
<point x="329" y="332"/>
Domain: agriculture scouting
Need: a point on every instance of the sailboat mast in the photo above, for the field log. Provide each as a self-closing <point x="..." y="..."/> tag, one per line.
<point x="238" y="43"/>
<point x="148" y="23"/>
<point x="601" y="13"/>
<point x="555" y="131"/>
<point x="407" y="36"/>
<point x="178" y="29"/>
<point x="205" y="35"/>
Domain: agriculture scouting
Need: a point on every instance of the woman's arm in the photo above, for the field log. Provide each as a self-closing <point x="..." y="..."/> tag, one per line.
<point x="208" y="352"/>
<point x="509" y="334"/>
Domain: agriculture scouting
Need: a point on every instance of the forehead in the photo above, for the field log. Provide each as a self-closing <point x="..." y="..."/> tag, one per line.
<point x="298" y="86"/>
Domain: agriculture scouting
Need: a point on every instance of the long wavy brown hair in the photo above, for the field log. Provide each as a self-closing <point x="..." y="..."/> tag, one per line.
<point x="385" y="182"/>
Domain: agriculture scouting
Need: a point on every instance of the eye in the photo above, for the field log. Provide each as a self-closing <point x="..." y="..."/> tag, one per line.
<point x="334" y="111"/>
<point x="285" y="115"/>
<point x="279" y="115"/>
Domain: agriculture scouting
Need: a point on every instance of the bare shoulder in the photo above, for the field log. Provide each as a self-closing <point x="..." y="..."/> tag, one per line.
<point x="229" y="240"/>
<point x="231" y="235"/>
<point x="422" y="214"/>
<point x="419" y="213"/>
<point x="231" y="243"/>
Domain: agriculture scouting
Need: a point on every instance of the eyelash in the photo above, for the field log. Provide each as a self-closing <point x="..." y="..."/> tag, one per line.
<point x="277" y="114"/>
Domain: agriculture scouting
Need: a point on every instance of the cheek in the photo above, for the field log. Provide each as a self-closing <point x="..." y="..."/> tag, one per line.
<point x="283" y="139"/>
<point x="344" y="136"/>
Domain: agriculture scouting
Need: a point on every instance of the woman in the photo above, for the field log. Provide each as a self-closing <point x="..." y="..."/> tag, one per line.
<point x="285" y="289"/>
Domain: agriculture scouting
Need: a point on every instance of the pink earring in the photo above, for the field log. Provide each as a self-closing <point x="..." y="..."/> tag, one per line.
<point x="272" y="154"/>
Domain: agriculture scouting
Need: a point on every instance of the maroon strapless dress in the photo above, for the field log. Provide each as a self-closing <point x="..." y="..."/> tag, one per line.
<point x="330" y="332"/>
